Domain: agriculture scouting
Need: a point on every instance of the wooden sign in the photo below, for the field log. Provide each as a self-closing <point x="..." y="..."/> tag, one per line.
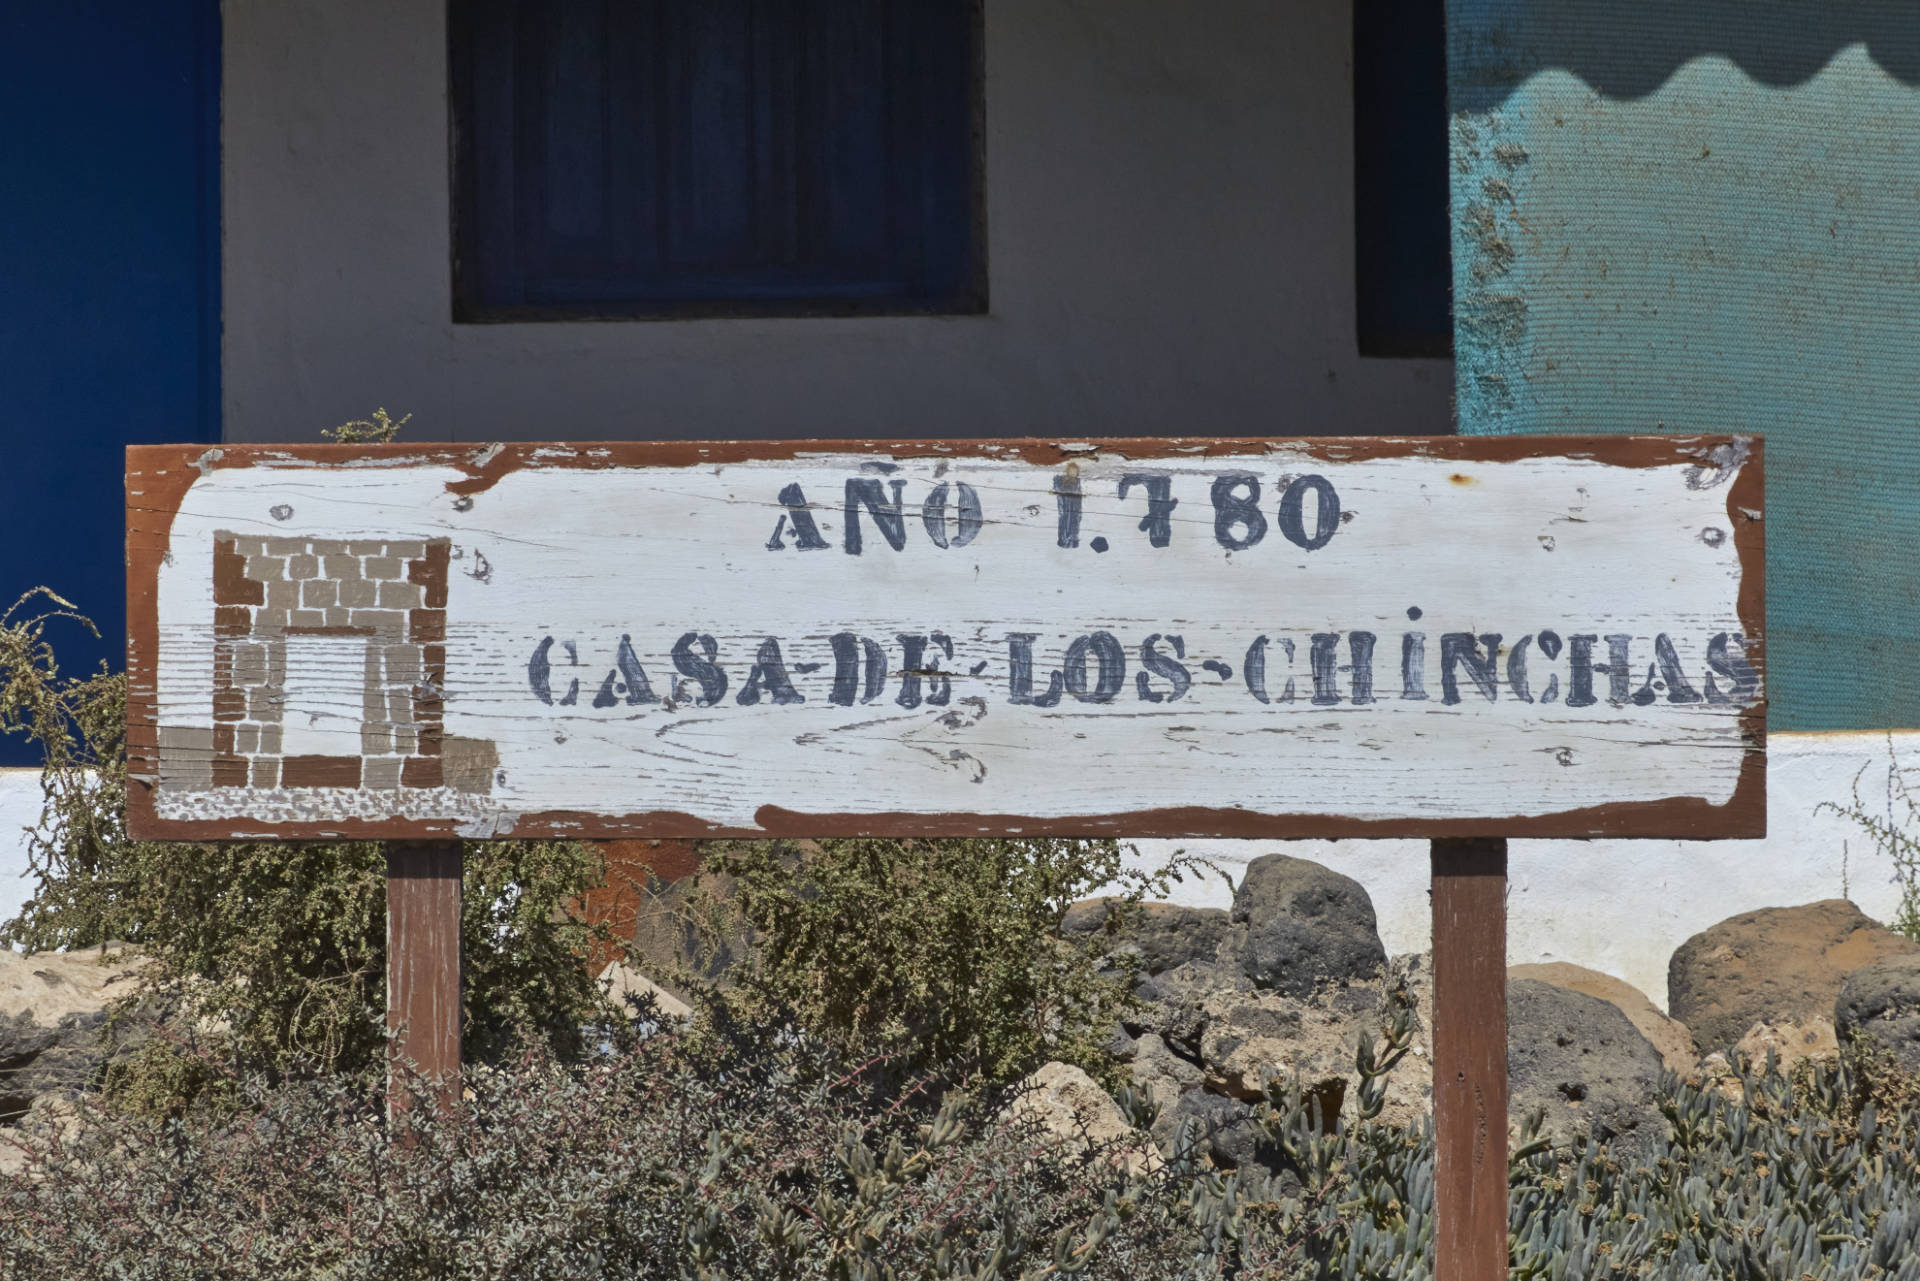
<point x="1363" y="637"/>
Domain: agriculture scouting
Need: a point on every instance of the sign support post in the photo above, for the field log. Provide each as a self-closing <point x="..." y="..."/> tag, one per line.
<point x="423" y="968"/>
<point x="1470" y="1059"/>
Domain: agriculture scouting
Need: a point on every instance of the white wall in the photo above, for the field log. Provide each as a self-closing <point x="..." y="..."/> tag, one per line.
<point x="1170" y="236"/>
<point x="1624" y="906"/>
<point x="1617" y="906"/>
<point x="19" y="809"/>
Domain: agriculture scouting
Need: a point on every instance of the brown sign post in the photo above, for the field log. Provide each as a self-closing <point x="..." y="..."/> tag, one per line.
<point x="423" y="963"/>
<point x="1458" y="639"/>
<point x="1470" y="1057"/>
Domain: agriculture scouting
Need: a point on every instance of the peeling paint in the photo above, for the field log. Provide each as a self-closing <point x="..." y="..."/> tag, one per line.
<point x="1720" y="463"/>
<point x="489" y="827"/>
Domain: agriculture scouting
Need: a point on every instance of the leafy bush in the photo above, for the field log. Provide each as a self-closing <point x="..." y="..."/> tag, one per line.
<point x="645" y="1163"/>
<point x="1794" y="1177"/>
<point x="945" y="951"/>
<point x="663" y="1158"/>
<point x="763" y="1157"/>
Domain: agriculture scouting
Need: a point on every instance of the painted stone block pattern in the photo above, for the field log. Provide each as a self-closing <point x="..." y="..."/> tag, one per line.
<point x="365" y="616"/>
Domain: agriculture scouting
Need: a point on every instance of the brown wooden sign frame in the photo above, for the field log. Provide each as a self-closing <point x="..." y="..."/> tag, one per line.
<point x="159" y="478"/>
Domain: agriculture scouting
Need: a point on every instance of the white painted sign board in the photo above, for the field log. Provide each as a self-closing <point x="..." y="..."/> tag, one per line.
<point x="1173" y="637"/>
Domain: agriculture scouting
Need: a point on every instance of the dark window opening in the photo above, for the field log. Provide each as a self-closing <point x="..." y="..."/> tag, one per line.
<point x="1404" y="282"/>
<point x="674" y="158"/>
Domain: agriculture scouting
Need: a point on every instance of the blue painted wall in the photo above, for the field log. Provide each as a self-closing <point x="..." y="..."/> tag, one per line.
<point x="109" y="281"/>
<point x="1705" y="216"/>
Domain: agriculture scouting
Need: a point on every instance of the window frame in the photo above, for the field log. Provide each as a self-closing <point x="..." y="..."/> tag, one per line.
<point x="469" y="306"/>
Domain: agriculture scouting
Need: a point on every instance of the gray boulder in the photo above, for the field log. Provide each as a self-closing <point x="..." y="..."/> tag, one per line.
<point x="1669" y="1036"/>
<point x="1173" y="1002"/>
<point x="1256" y="1035"/>
<point x="1776" y="964"/>
<point x="1582" y="1061"/>
<point x="1306" y="927"/>
<point x="1163" y="1075"/>
<point x="1249" y="1038"/>
<point x="1164" y="936"/>
<point x="1223" y="1130"/>
<point x="1284" y="985"/>
<point x="1071" y="1109"/>
<point x="54" y="1035"/>
<point x="61" y="1058"/>
<point x="1878" y="1010"/>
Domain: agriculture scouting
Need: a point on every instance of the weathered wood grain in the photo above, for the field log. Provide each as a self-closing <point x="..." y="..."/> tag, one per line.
<point x="423" y="968"/>
<point x="1470" y="1059"/>
<point x="680" y="640"/>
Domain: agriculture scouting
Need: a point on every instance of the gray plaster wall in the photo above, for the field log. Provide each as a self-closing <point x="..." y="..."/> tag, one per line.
<point x="1170" y="215"/>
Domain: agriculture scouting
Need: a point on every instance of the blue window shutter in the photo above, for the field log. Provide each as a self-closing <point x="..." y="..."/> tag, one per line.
<point x="673" y="157"/>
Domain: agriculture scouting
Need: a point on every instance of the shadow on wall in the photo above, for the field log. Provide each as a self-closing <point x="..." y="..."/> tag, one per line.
<point x="1629" y="48"/>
